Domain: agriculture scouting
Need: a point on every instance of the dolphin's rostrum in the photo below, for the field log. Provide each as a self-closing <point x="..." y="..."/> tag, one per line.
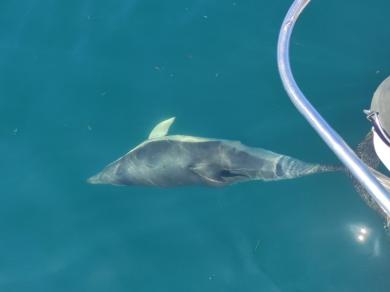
<point x="176" y="160"/>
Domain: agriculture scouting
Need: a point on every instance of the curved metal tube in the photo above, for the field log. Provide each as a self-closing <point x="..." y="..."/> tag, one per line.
<point x="330" y="136"/>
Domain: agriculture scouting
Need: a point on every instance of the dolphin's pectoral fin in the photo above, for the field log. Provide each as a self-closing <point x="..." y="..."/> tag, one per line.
<point x="205" y="171"/>
<point x="161" y="129"/>
<point x="226" y="173"/>
<point x="232" y="175"/>
<point x="217" y="176"/>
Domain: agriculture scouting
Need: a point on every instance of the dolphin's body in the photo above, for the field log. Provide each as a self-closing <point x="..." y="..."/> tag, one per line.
<point x="169" y="161"/>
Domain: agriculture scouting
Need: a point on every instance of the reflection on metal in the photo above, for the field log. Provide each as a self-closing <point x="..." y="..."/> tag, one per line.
<point x="332" y="139"/>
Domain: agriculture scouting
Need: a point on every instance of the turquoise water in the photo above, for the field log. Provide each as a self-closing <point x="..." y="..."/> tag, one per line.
<point x="82" y="82"/>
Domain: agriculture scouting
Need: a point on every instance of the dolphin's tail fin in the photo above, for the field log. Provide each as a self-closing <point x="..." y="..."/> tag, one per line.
<point x="288" y="168"/>
<point x="330" y="168"/>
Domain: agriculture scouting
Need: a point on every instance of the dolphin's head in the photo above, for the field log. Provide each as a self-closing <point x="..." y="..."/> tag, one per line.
<point x="109" y="175"/>
<point x="96" y="179"/>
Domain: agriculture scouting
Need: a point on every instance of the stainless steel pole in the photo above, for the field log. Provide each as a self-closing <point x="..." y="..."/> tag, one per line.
<point x="330" y="136"/>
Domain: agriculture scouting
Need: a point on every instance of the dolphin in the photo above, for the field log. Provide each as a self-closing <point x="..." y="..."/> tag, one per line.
<point x="177" y="160"/>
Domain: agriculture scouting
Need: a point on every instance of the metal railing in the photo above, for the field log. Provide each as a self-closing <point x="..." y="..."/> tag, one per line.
<point x="358" y="169"/>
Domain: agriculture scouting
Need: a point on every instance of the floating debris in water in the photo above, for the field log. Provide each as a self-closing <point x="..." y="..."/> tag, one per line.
<point x="257" y="246"/>
<point x="15" y="131"/>
<point x="89" y="128"/>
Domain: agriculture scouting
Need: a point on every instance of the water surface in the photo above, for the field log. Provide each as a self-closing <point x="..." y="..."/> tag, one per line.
<point x="81" y="82"/>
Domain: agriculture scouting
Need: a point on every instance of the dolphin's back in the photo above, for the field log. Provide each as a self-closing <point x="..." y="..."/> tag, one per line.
<point x="167" y="163"/>
<point x="174" y="162"/>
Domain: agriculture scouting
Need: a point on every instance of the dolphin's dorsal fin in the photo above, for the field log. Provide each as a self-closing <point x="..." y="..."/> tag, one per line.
<point x="161" y="129"/>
